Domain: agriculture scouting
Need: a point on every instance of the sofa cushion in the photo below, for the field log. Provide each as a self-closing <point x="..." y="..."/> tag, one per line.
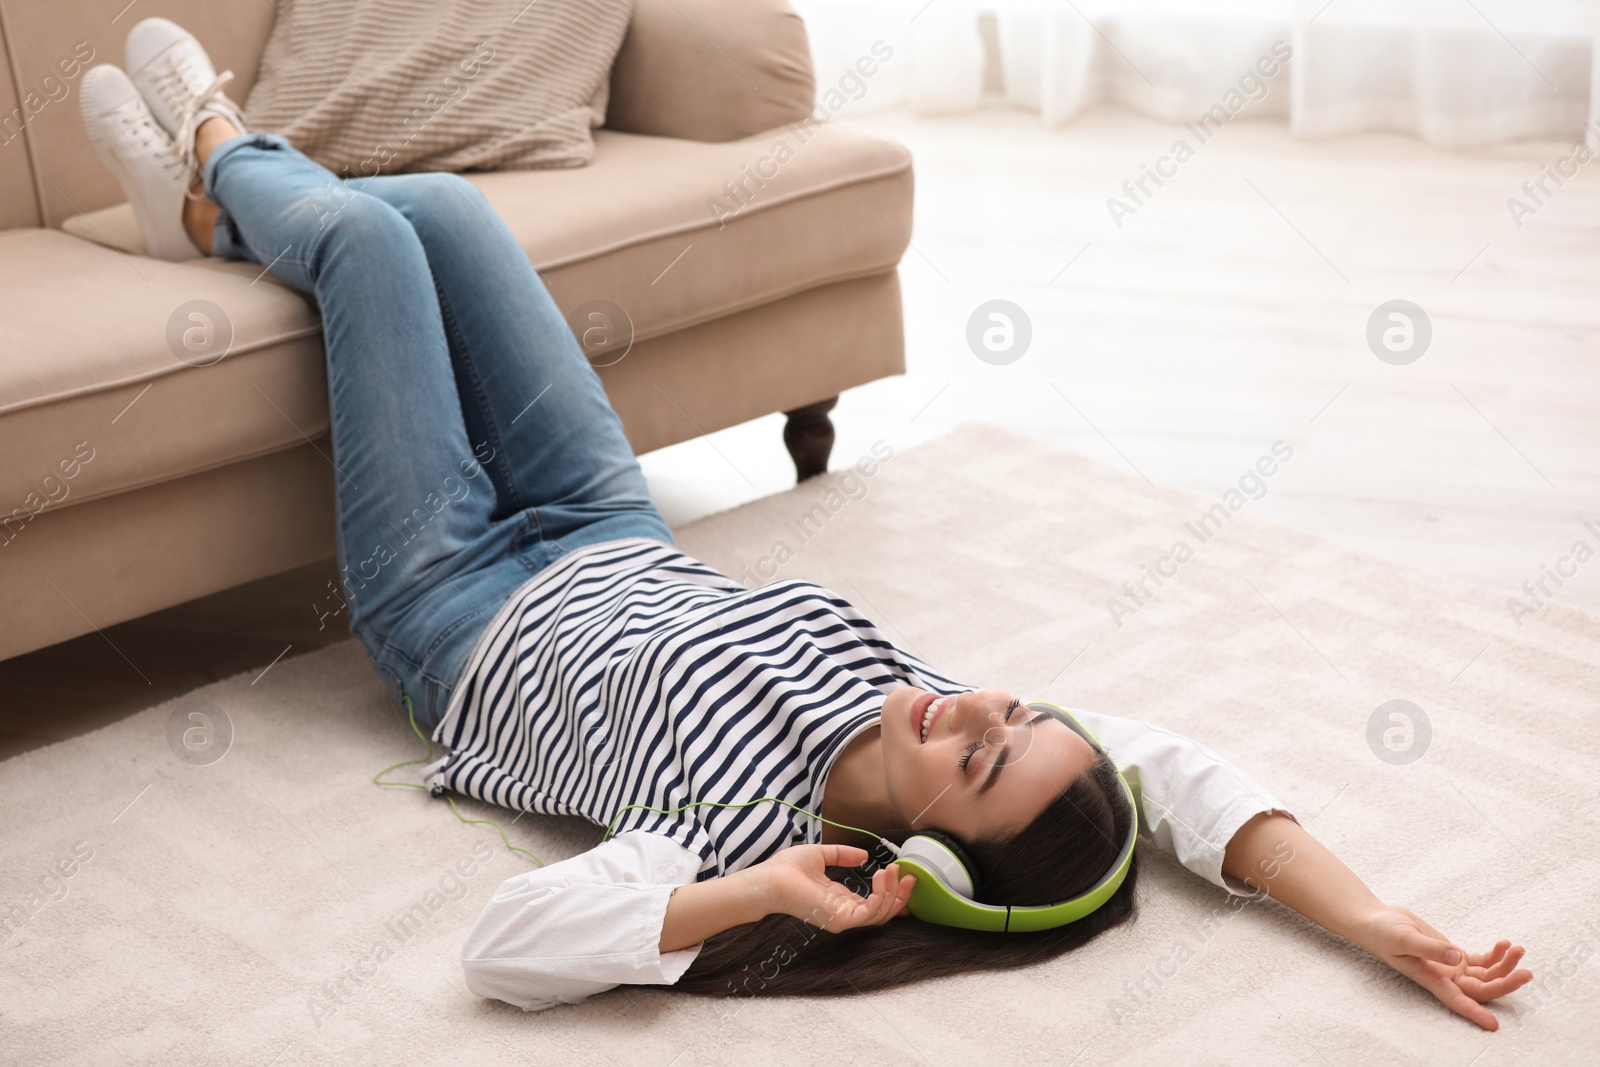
<point x="93" y="398"/>
<point x="750" y="72"/>
<point x="677" y="232"/>
<point x="643" y="228"/>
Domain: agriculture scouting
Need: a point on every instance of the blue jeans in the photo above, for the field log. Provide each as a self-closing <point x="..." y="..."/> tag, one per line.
<point x="473" y="444"/>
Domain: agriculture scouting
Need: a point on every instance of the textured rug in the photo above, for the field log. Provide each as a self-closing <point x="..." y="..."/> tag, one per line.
<point x="273" y="907"/>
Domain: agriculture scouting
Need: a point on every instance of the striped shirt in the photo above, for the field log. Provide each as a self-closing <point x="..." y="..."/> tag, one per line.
<point x="630" y="673"/>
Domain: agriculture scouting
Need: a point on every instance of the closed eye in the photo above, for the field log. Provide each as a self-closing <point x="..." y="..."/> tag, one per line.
<point x="1005" y="756"/>
<point x="972" y="749"/>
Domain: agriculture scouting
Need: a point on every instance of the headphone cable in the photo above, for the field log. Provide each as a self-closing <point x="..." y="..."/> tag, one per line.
<point x="894" y="849"/>
<point x="378" y="779"/>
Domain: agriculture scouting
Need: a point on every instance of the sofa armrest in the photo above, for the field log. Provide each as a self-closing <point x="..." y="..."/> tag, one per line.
<point x="711" y="70"/>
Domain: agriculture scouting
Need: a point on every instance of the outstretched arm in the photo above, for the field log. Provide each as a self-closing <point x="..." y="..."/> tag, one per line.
<point x="1273" y="853"/>
<point x="1225" y="827"/>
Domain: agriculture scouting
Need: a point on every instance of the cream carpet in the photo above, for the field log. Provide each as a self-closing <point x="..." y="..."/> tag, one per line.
<point x="210" y="909"/>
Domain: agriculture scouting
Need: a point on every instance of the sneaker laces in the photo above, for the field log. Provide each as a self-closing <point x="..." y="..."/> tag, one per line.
<point x="173" y="81"/>
<point x="212" y="100"/>
<point x="181" y="83"/>
<point x="151" y="138"/>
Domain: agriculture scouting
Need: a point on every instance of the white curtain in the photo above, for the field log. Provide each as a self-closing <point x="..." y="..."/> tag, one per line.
<point x="1457" y="73"/>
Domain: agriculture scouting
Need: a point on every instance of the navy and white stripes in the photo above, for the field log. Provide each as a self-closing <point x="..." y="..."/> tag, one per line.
<point x="629" y="673"/>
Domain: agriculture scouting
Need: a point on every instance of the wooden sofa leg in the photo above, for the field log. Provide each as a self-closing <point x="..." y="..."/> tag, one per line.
<point x="809" y="437"/>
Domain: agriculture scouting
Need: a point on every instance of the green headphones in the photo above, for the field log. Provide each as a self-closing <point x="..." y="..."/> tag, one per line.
<point x="947" y="884"/>
<point x="947" y="887"/>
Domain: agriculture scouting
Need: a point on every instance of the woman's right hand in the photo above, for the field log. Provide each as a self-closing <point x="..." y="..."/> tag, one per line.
<point x="796" y="882"/>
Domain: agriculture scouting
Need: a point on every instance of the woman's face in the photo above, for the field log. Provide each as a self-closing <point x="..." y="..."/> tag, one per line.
<point x="982" y="766"/>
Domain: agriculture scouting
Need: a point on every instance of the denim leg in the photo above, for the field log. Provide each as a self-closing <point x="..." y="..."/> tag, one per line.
<point x="560" y="454"/>
<point x="423" y="558"/>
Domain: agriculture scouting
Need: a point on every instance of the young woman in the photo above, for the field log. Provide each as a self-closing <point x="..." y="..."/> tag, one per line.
<point x="514" y="584"/>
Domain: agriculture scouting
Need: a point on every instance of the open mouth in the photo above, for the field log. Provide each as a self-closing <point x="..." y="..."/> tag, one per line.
<point x="924" y="711"/>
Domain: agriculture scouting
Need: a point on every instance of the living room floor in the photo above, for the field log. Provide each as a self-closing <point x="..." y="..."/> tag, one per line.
<point x="1228" y="311"/>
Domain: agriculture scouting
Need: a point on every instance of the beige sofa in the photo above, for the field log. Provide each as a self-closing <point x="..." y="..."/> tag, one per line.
<point x="133" y="480"/>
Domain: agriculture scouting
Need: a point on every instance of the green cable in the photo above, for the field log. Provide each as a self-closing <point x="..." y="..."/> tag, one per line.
<point x="377" y="779"/>
<point x="745" y="804"/>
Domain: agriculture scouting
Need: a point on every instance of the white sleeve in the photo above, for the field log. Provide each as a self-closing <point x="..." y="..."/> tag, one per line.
<point x="1191" y="801"/>
<point x="558" y="934"/>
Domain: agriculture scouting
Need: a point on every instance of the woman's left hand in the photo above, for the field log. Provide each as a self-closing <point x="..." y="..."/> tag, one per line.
<point x="1462" y="981"/>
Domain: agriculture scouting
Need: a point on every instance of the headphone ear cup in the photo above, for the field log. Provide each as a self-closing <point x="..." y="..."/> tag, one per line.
<point x="962" y="856"/>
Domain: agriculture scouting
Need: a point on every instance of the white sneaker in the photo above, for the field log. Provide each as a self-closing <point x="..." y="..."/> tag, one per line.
<point x="129" y="142"/>
<point x="178" y="81"/>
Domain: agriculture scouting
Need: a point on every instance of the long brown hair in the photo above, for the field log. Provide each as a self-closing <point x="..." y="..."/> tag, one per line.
<point x="1057" y="856"/>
